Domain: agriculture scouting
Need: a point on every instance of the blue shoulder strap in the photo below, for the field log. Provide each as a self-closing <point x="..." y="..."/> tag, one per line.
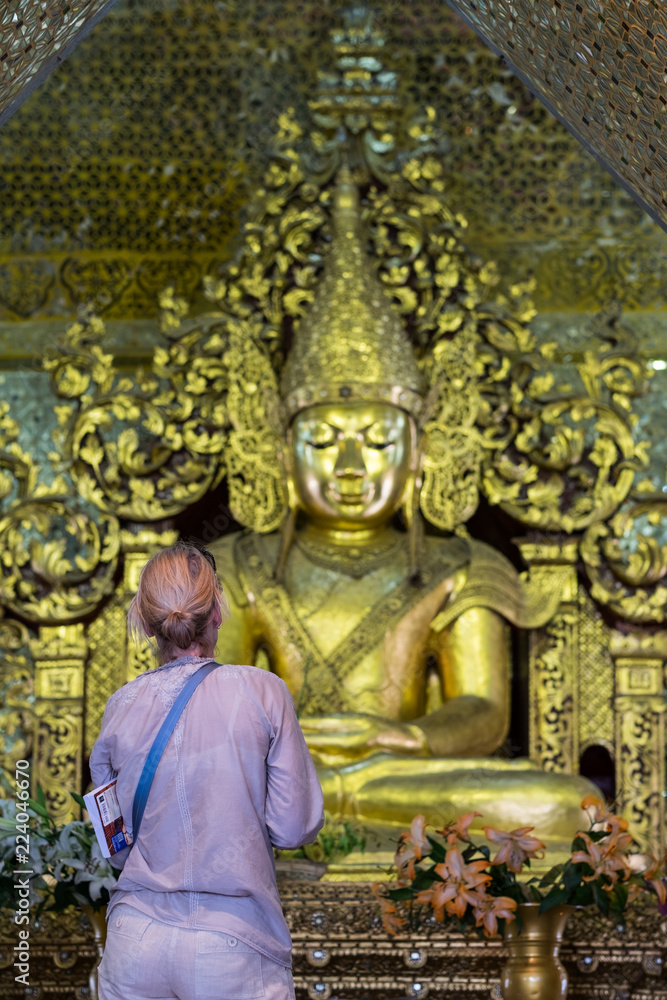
<point x="160" y="742"/>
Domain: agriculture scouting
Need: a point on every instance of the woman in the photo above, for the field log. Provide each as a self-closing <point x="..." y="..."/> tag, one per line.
<point x="196" y="911"/>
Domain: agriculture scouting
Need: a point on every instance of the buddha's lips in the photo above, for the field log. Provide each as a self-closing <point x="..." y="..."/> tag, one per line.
<point x="352" y="492"/>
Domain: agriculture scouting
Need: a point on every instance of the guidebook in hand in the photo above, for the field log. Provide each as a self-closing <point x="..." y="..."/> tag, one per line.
<point x="105" y="815"/>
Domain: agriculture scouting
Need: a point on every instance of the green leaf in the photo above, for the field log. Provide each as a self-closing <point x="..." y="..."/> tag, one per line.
<point x="41" y="797"/>
<point x="598" y="835"/>
<point x="78" y="799"/>
<point x="601" y="898"/>
<point x="619" y="898"/>
<point x="551" y="876"/>
<point x="572" y="877"/>
<point x="424" y="879"/>
<point x="38" y="808"/>
<point x="557" y="897"/>
<point x="468" y="853"/>
<point x="515" y="892"/>
<point x="438" y="852"/>
<point x="399" y="895"/>
<point x="583" y="895"/>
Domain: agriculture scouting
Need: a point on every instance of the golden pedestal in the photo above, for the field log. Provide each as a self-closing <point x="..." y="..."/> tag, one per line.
<point x="341" y="952"/>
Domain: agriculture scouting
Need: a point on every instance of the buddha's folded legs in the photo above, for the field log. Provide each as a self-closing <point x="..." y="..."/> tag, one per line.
<point x="389" y="790"/>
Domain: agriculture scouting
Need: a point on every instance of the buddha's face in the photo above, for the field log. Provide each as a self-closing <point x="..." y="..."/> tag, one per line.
<point x="351" y="462"/>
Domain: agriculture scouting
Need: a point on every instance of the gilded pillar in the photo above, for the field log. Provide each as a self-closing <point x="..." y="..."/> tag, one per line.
<point x="595" y="679"/>
<point x="553" y="659"/>
<point x="106" y="666"/>
<point x="639" y="702"/>
<point x="59" y="655"/>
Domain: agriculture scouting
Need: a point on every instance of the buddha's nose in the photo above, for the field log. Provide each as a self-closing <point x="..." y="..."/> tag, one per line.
<point x="350" y="464"/>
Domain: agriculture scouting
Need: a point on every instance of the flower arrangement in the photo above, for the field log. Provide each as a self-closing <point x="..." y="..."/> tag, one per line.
<point x="606" y="869"/>
<point x="459" y="882"/>
<point x="66" y="861"/>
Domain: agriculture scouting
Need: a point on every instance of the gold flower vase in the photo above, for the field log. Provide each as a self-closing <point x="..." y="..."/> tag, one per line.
<point x="533" y="970"/>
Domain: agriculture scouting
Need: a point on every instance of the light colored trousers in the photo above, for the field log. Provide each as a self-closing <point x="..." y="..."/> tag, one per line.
<point x="148" y="960"/>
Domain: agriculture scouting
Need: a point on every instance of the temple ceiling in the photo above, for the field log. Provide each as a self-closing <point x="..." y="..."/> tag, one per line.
<point x="131" y="166"/>
<point x="600" y="68"/>
<point x="35" y="37"/>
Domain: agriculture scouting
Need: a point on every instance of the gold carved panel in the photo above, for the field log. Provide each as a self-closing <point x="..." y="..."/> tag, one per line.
<point x="59" y="654"/>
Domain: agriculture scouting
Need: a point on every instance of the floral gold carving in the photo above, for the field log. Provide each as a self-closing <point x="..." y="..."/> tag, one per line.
<point x="58" y="561"/>
<point x="16" y="695"/>
<point x="143" y="449"/>
<point x="626" y="560"/>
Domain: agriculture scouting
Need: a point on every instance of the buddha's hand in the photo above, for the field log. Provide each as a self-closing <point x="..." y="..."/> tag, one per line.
<point x="356" y="735"/>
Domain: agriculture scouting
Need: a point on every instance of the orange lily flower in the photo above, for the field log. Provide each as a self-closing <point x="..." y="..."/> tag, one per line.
<point x="490" y="909"/>
<point x="412" y="845"/>
<point x="391" y="921"/>
<point x="516" y="846"/>
<point x="458" y="830"/>
<point x="459" y="887"/>
<point x="600" y="815"/>
<point x="605" y="857"/>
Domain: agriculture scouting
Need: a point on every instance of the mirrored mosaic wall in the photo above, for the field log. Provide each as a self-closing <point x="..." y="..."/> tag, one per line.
<point x="130" y="167"/>
<point x="601" y="68"/>
<point x="34" y="37"/>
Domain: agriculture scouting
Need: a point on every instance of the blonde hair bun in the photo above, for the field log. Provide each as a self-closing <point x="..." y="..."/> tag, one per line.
<point x="178" y="628"/>
<point x="178" y="590"/>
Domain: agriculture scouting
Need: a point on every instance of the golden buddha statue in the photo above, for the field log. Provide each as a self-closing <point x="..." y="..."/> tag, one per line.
<point x="394" y="644"/>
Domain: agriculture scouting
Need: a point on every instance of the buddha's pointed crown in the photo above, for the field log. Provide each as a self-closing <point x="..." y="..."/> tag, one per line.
<point x="350" y="346"/>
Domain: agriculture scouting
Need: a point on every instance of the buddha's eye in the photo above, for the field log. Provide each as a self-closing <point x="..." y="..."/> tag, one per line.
<point x="321" y="438"/>
<point x="379" y="438"/>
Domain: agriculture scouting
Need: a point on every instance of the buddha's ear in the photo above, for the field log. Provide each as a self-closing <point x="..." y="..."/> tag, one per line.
<point x="289" y="522"/>
<point x="287" y="530"/>
<point x="287" y="466"/>
<point x="292" y="496"/>
<point x="410" y="500"/>
<point x="410" y="507"/>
